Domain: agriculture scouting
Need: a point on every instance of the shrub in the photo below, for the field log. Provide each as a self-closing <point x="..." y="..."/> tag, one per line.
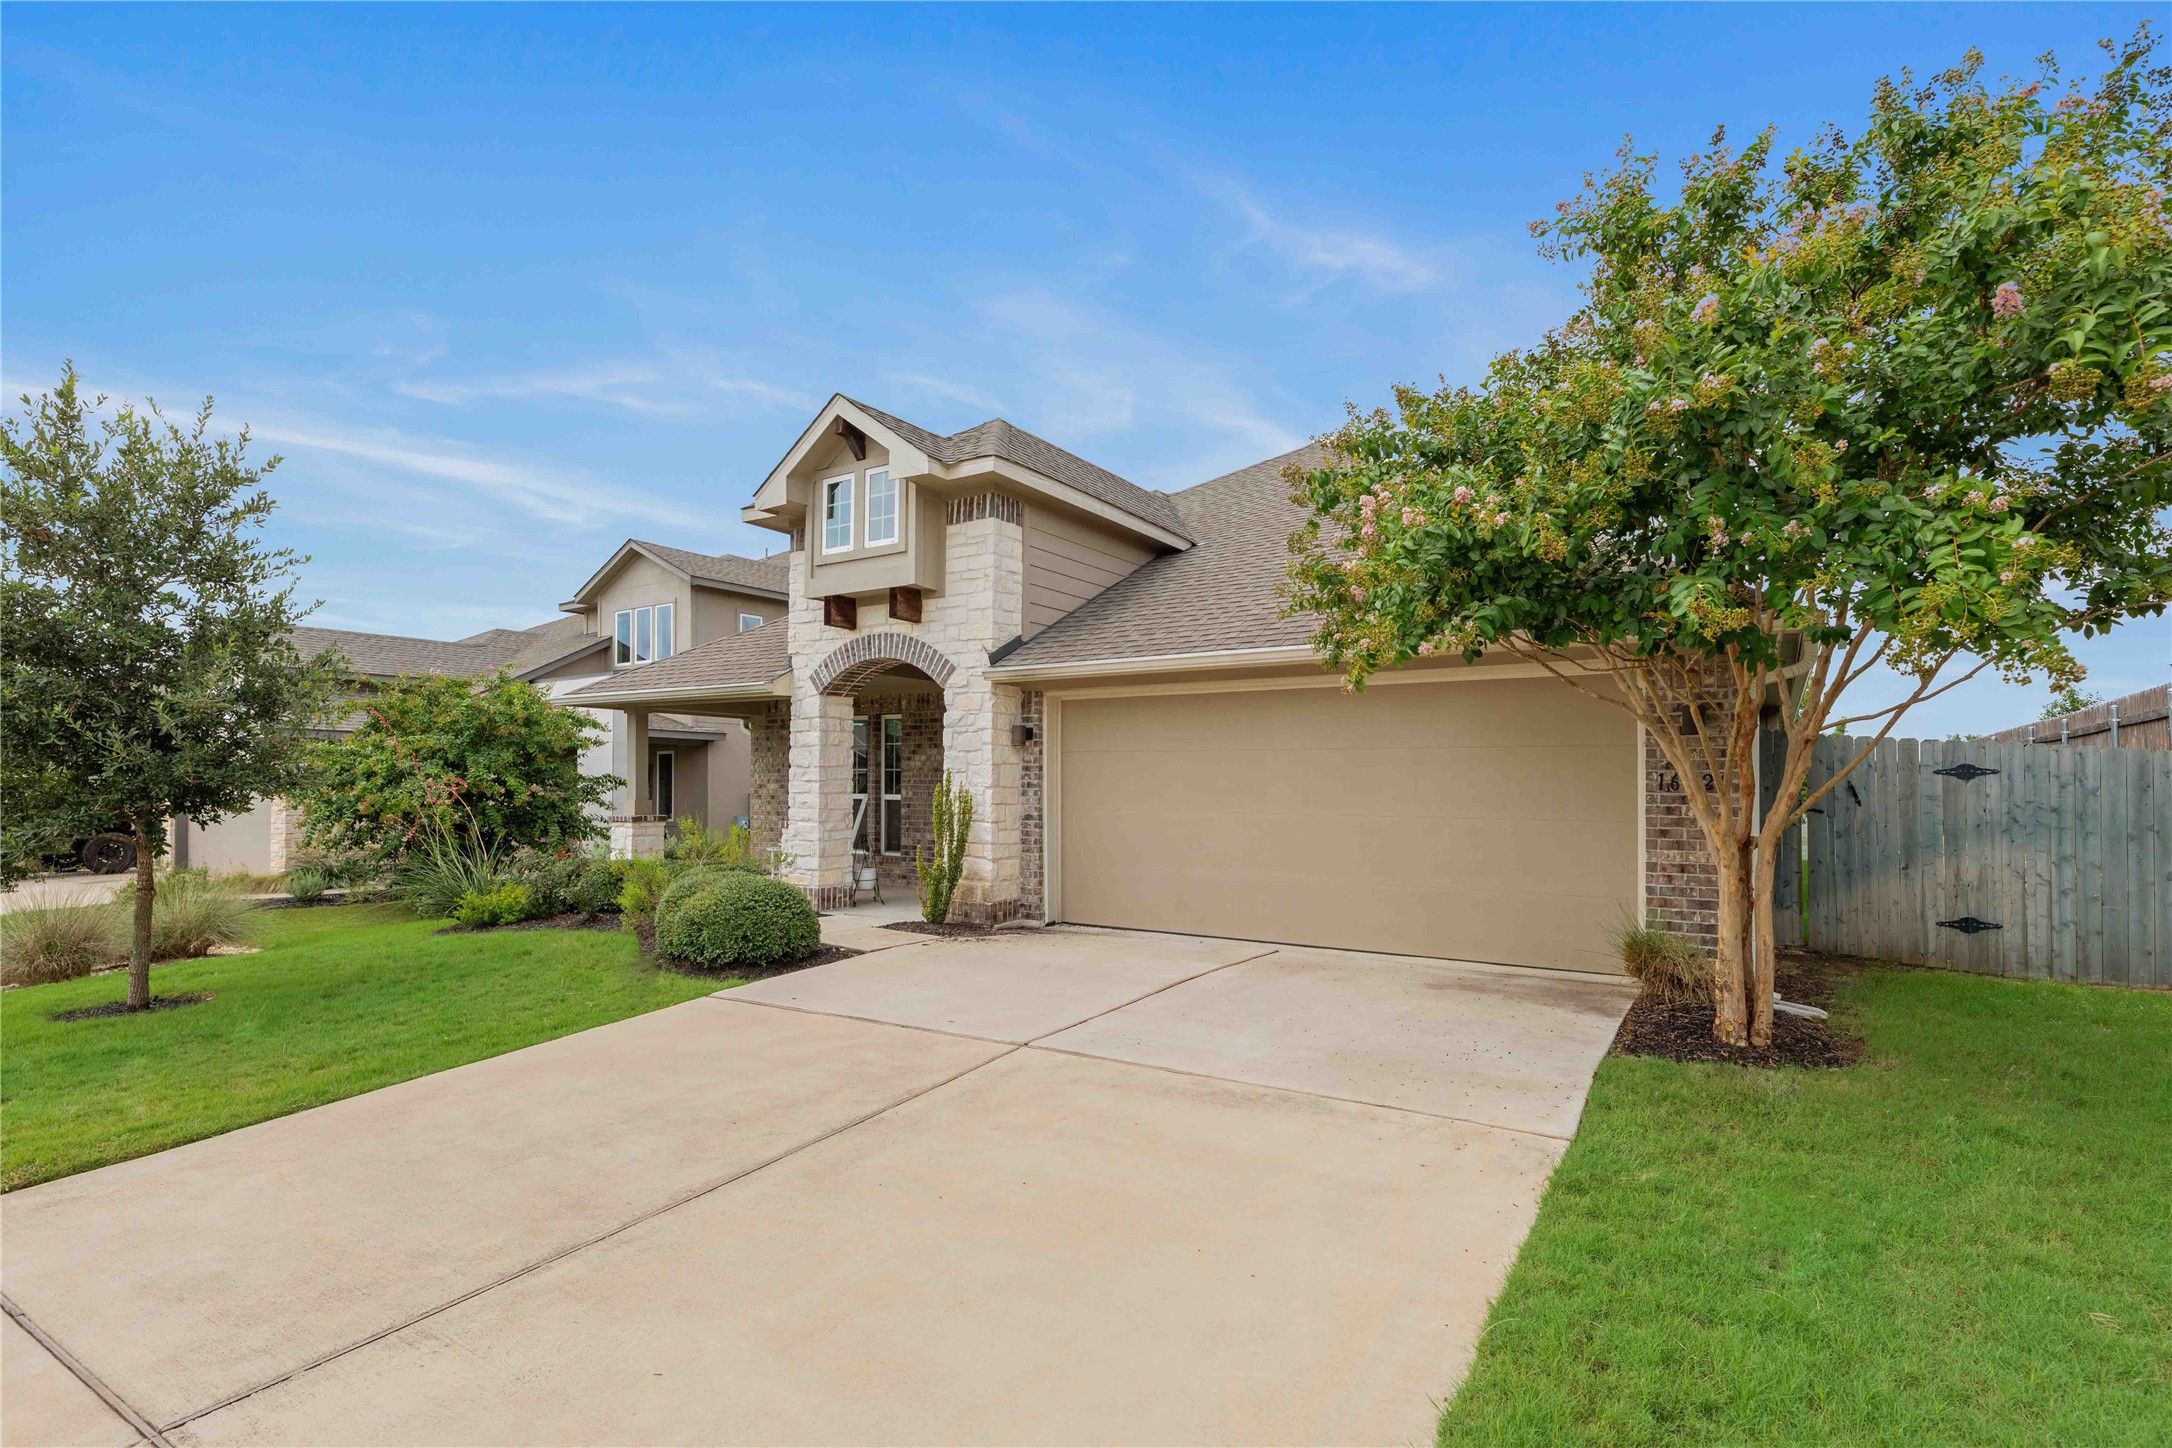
<point x="720" y="917"/>
<point x="307" y="883"/>
<point x="504" y="905"/>
<point x="697" y="844"/>
<point x="1669" y="967"/>
<point x="594" y="888"/>
<point x="641" y="884"/>
<point x="940" y="873"/>
<point x="443" y="870"/>
<point x="60" y="942"/>
<point x="546" y="877"/>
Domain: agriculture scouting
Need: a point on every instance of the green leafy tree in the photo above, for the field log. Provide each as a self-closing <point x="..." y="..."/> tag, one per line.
<point x="2070" y="699"/>
<point x="495" y="762"/>
<point x="147" y="670"/>
<point x="1903" y="399"/>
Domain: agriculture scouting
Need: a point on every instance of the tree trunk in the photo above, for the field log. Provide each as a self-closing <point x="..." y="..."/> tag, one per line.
<point x="139" y="946"/>
<point x="1763" y="946"/>
<point x="1730" y="973"/>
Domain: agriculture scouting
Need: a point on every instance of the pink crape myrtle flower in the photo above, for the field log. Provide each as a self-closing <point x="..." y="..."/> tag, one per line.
<point x="1706" y="310"/>
<point x="2006" y="302"/>
<point x="1463" y="495"/>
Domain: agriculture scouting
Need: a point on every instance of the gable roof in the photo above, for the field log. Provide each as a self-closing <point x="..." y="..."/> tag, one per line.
<point x="767" y="576"/>
<point x="746" y="663"/>
<point x="1223" y="593"/>
<point x="388" y="656"/>
<point x="997" y="438"/>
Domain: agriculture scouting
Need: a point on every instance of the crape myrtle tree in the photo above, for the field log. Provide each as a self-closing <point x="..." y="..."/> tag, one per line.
<point x="492" y="763"/>
<point x="147" y="669"/>
<point x="1902" y="399"/>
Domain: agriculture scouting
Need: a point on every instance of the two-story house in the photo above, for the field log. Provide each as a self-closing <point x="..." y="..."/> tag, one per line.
<point x="1148" y="740"/>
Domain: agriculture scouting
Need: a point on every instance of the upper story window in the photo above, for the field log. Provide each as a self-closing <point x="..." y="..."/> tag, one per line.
<point x="837" y="514"/>
<point x="881" y="507"/>
<point x="750" y="620"/>
<point x="639" y="635"/>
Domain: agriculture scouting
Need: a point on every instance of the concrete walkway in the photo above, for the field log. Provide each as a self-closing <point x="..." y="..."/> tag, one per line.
<point x="1049" y="1186"/>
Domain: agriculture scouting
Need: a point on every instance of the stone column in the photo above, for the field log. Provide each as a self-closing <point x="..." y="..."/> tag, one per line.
<point x="818" y="820"/>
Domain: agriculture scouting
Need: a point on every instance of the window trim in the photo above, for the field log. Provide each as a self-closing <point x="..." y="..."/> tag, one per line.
<point x="622" y="639"/>
<point x="663" y="634"/>
<point x="897" y="509"/>
<point x="745" y="627"/>
<point x="851" y="488"/>
<point x="667" y="632"/>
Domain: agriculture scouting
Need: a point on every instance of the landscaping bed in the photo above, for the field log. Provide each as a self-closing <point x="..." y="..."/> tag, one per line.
<point x="1682" y="1031"/>
<point x="933" y="927"/>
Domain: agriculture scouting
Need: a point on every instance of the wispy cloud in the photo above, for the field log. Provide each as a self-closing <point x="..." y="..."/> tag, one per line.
<point x="675" y="388"/>
<point x="1329" y="254"/>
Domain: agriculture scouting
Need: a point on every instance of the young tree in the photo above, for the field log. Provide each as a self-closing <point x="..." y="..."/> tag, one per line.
<point x="437" y="757"/>
<point x="1903" y="400"/>
<point x="147" y="672"/>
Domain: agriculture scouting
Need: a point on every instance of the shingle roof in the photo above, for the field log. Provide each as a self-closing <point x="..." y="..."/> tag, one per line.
<point x="740" y="660"/>
<point x="728" y="569"/>
<point x="999" y="439"/>
<point x="390" y="655"/>
<point x="1222" y="593"/>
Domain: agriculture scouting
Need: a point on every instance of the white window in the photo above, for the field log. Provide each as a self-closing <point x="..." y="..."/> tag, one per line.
<point x="878" y="823"/>
<point x="837" y="514"/>
<point x="641" y="634"/>
<point x="881" y="507"/>
<point x="750" y="620"/>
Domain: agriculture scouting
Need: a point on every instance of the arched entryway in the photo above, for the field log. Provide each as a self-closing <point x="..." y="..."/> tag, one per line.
<point x="877" y="708"/>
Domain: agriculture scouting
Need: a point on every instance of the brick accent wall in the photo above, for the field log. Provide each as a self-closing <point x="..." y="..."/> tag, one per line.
<point x="920" y="740"/>
<point x="1681" y="889"/>
<point x="769" y="774"/>
<point x="1032" y="809"/>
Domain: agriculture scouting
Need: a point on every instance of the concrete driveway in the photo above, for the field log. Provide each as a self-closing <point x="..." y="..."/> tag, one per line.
<point x="1063" y="1186"/>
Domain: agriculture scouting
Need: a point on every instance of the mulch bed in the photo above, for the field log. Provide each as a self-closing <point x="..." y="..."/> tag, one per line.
<point x="1684" y="1032"/>
<point x="120" y="1008"/>
<point x="929" y="927"/>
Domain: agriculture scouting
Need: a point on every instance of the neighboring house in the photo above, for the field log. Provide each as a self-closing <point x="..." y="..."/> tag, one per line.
<point x="695" y="767"/>
<point x="1148" y="741"/>
<point x="2138" y="721"/>
<point x="647" y="604"/>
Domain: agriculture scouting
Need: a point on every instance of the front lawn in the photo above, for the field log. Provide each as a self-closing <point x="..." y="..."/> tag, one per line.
<point x="341" y="1000"/>
<point x="1965" y="1239"/>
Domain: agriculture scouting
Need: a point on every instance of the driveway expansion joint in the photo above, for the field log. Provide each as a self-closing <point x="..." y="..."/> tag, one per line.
<point x="83" y="1374"/>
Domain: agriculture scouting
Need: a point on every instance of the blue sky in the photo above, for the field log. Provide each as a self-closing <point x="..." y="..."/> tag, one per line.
<point x="507" y="285"/>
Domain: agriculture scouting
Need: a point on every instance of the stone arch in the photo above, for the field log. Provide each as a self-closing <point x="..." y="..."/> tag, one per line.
<point x="854" y="660"/>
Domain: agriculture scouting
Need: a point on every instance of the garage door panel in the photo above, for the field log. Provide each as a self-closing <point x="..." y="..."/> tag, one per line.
<point x="1489" y="820"/>
<point x="1570" y="783"/>
<point x="1291" y="851"/>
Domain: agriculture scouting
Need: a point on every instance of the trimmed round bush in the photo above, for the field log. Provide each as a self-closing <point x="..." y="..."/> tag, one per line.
<point x="721" y="917"/>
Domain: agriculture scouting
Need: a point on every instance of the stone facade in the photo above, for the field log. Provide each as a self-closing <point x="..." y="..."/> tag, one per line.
<point x="288" y="841"/>
<point x="638" y="837"/>
<point x="1033" y="806"/>
<point x="980" y="608"/>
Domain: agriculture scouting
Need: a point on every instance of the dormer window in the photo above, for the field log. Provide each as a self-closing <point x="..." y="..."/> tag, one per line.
<point x="641" y="634"/>
<point x="881" y="507"/>
<point x="837" y="514"/>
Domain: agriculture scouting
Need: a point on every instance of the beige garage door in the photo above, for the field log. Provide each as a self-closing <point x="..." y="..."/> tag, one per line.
<point x="1489" y="820"/>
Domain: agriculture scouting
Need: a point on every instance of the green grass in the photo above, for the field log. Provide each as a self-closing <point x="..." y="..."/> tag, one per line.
<point x="341" y="1000"/>
<point x="1966" y="1239"/>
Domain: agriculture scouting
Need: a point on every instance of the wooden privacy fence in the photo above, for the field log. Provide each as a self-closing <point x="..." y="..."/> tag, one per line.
<point x="2023" y="860"/>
